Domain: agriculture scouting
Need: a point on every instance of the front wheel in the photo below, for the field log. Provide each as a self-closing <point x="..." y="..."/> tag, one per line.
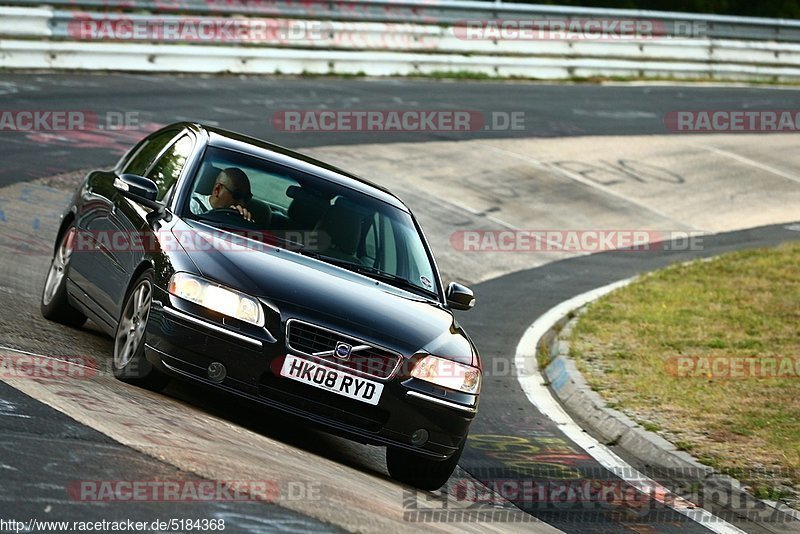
<point x="54" y="305"/>
<point x="130" y="364"/>
<point x="422" y="473"/>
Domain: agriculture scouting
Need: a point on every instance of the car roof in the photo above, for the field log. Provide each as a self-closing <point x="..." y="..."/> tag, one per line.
<point x="220" y="138"/>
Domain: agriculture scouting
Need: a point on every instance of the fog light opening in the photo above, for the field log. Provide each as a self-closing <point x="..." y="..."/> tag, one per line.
<point x="419" y="438"/>
<point x="217" y="372"/>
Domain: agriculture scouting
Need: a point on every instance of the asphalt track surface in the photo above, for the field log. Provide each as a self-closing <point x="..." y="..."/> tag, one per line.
<point x="507" y="425"/>
<point x="44" y="451"/>
<point x="248" y="104"/>
<point x="501" y="321"/>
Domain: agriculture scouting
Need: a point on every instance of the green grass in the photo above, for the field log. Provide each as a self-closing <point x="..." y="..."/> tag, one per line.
<point x="742" y="305"/>
<point x="650" y="427"/>
<point x="543" y="358"/>
<point x="459" y="75"/>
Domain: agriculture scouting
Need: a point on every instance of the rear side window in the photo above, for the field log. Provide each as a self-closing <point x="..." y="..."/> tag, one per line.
<point x="148" y="152"/>
<point x="126" y="159"/>
<point x="168" y="168"/>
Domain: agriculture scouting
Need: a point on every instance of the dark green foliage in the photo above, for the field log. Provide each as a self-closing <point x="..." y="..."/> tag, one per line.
<point x="789" y="9"/>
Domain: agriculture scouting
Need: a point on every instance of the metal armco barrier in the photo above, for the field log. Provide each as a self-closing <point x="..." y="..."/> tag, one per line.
<point x="165" y="40"/>
<point x="446" y="12"/>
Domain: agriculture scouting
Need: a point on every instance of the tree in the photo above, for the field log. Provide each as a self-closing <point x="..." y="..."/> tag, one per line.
<point x="789" y="9"/>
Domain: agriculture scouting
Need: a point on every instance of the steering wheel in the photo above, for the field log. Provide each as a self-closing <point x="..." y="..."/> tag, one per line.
<point x="231" y="216"/>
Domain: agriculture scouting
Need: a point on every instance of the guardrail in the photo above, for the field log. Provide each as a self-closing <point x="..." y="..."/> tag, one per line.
<point x="448" y="12"/>
<point x="44" y="38"/>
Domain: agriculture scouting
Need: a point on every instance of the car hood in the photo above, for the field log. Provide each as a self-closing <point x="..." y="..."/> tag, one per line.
<point x="304" y="288"/>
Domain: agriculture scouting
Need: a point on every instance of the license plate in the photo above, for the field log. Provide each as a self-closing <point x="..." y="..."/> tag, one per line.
<point x="332" y="380"/>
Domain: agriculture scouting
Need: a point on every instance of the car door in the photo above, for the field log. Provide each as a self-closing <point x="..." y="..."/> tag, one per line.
<point x="130" y="217"/>
<point x="103" y="265"/>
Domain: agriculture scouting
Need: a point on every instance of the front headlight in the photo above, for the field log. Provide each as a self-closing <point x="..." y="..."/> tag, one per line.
<point x="217" y="298"/>
<point x="448" y="374"/>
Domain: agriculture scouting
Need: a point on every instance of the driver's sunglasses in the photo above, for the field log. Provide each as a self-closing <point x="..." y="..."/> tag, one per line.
<point x="238" y="195"/>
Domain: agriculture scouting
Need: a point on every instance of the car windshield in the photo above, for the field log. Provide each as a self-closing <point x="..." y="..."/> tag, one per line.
<point x="312" y="216"/>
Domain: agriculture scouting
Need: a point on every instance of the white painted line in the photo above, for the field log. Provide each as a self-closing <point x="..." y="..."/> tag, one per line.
<point x="476" y="213"/>
<point x="508" y="226"/>
<point x="754" y="163"/>
<point x="539" y="395"/>
<point x="589" y="183"/>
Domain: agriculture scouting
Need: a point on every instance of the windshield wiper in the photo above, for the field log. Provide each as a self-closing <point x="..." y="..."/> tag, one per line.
<point x="374" y="272"/>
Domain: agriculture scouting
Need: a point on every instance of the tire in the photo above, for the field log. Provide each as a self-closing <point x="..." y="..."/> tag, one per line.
<point x="423" y="473"/>
<point x="54" y="305"/>
<point x="130" y="364"/>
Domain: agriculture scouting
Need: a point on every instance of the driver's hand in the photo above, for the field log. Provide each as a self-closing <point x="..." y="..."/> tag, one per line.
<point x="246" y="214"/>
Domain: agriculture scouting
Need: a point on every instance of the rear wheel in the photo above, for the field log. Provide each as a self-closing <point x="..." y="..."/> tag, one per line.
<point x="130" y="364"/>
<point x="423" y="473"/>
<point x="54" y="304"/>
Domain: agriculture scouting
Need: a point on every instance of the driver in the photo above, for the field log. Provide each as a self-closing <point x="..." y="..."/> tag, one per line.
<point x="231" y="190"/>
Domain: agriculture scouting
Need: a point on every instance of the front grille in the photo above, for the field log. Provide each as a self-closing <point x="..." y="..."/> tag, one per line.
<point x="320" y="343"/>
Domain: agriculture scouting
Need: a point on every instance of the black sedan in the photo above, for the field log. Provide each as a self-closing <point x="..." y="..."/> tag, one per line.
<point x="218" y="258"/>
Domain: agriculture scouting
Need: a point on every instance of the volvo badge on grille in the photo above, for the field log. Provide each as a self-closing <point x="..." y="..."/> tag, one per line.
<point x="342" y="351"/>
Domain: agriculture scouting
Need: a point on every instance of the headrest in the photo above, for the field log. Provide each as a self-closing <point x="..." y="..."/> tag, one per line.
<point x="206" y="178"/>
<point x="343" y="226"/>
<point x="262" y="213"/>
<point x="306" y="207"/>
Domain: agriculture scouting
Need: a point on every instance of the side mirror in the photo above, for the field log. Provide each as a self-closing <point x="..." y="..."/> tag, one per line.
<point x="460" y="297"/>
<point x="137" y="188"/>
<point x="142" y="191"/>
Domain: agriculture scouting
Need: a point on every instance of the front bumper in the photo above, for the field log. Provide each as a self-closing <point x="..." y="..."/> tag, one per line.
<point x="184" y="340"/>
